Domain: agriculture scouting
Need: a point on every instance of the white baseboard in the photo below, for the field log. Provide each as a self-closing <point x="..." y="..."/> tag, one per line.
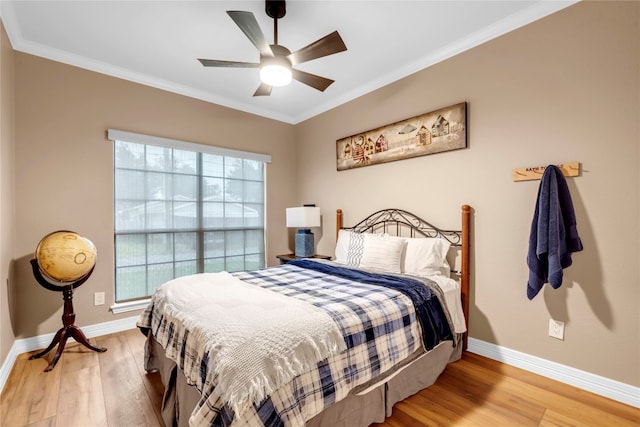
<point x="25" y="345"/>
<point x="612" y="389"/>
<point x="9" y="361"/>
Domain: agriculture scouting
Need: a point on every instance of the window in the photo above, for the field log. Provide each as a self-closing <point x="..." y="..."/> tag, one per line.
<point x="183" y="208"/>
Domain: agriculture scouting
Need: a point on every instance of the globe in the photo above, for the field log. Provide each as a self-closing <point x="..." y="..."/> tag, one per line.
<point x="65" y="257"/>
<point x="63" y="261"/>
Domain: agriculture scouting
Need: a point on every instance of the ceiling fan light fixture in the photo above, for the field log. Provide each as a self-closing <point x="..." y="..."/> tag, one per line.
<point x="276" y="72"/>
<point x="276" y="61"/>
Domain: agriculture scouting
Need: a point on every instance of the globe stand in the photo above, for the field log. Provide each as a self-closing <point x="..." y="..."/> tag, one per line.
<point x="69" y="330"/>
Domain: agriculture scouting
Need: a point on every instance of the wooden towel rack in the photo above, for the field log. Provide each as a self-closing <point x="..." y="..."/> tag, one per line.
<point x="535" y="172"/>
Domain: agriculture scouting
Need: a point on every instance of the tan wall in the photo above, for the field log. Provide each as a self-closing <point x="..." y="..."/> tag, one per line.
<point x="565" y="88"/>
<point x="7" y="142"/>
<point x="64" y="170"/>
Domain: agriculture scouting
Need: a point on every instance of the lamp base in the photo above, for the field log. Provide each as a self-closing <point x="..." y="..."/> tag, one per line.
<point x="304" y="243"/>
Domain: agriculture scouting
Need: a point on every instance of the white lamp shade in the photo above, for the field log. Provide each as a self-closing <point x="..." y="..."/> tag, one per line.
<point x="303" y="217"/>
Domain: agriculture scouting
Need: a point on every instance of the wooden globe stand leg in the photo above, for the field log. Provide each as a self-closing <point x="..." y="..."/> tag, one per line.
<point x="69" y="330"/>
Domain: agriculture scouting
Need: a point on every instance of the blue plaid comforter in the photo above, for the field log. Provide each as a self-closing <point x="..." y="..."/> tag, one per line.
<point x="378" y="321"/>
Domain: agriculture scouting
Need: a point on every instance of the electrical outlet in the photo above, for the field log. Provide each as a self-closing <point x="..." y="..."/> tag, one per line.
<point x="556" y="329"/>
<point x="98" y="298"/>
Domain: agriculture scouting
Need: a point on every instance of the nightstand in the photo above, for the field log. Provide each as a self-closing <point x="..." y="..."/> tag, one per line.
<point x="288" y="257"/>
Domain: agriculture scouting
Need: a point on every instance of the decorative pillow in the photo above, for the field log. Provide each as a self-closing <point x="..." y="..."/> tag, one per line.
<point x="383" y="253"/>
<point x="427" y="257"/>
<point x="349" y="248"/>
<point x="342" y="246"/>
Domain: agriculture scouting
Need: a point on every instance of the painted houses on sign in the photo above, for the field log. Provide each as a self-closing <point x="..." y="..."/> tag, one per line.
<point x="434" y="132"/>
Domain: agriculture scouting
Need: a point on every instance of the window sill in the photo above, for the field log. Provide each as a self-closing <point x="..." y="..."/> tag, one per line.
<point x="123" y="307"/>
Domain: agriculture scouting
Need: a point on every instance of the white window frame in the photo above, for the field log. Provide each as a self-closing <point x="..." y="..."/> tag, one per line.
<point x="119" y="135"/>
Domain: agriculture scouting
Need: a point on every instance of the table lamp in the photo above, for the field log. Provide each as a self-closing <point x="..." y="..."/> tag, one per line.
<point x="304" y="218"/>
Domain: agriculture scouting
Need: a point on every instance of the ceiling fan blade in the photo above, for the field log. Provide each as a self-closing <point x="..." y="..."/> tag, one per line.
<point x="263" y="90"/>
<point x="249" y="26"/>
<point x="316" y="82"/>
<point x="218" y="63"/>
<point x="328" y="45"/>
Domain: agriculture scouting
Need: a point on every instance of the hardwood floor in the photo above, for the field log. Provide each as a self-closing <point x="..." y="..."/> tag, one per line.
<point x="88" y="389"/>
<point x="85" y="389"/>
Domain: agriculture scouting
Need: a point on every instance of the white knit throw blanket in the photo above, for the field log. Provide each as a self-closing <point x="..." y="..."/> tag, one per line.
<point x="258" y="340"/>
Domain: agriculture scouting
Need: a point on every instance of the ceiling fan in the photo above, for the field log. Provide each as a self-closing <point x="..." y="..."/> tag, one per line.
<point x="276" y="61"/>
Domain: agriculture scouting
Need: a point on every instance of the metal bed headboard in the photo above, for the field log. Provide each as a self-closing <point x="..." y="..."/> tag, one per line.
<point x="399" y="222"/>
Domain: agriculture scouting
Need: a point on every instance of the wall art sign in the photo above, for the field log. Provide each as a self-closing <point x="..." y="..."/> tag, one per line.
<point x="441" y="130"/>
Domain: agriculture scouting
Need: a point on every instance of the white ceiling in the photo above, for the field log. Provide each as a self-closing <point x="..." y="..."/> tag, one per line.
<point x="156" y="43"/>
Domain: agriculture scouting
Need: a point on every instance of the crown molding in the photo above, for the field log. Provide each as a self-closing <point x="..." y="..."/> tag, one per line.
<point x="536" y="11"/>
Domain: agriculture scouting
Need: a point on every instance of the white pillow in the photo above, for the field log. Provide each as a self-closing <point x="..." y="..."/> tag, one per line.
<point x="383" y="253"/>
<point x="349" y="248"/>
<point x="427" y="257"/>
<point x="342" y="246"/>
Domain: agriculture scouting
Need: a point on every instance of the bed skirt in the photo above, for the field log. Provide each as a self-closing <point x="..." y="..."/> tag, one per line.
<point x="369" y="406"/>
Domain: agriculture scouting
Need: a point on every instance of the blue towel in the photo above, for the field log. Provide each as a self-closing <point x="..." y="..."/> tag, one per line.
<point x="554" y="235"/>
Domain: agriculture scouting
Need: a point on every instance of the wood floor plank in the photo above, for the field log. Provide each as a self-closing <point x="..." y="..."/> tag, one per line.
<point x="10" y="388"/>
<point x="476" y="409"/>
<point x="152" y="382"/>
<point x="76" y="357"/>
<point x="580" y="410"/>
<point x="36" y="395"/>
<point x="555" y="387"/>
<point x="125" y="395"/>
<point x="425" y="411"/>
<point x="48" y="422"/>
<point x="481" y="402"/>
<point x="483" y="392"/>
<point x="407" y="415"/>
<point x="81" y="402"/>
<point x="555" y="419"/>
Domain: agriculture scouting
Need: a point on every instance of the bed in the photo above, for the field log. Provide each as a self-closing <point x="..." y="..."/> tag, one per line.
<point x="315" y="342"/>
